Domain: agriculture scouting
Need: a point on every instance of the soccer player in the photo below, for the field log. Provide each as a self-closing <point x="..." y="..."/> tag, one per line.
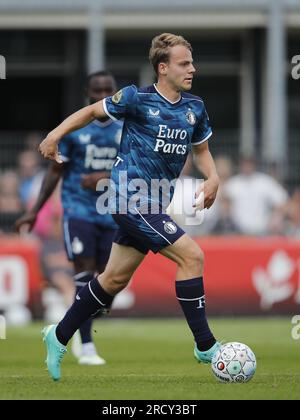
<point x="88" y="155"/>
<point x="162" y="123"/>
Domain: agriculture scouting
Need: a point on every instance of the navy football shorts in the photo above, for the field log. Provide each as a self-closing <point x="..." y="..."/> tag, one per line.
<point x="86" y="239"/>
<point x="146" y="232"/>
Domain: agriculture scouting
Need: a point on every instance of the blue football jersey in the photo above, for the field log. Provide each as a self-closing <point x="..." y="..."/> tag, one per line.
<point x="156" y="139"/>
<point x="92" y="148"/>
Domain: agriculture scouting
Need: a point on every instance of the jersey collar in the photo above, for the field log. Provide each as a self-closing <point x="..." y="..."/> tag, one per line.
<point x="166" y="99"/>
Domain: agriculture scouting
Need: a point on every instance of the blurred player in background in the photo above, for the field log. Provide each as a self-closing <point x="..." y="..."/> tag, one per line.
<point x="161" y="124"/>
<point x="87" y="156"/>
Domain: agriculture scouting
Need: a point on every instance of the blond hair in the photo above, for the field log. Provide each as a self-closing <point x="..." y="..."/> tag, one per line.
<point x="160" y="48"/>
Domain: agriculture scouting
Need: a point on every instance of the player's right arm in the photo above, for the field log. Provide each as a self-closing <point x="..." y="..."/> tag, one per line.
<point x="49" y="146"/>
<point x="50" y="181"/>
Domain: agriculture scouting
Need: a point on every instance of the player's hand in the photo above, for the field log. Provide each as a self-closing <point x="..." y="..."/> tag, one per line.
<point x="26" y="223"/>
<point x="49" y="149"/>
<point x="90" y="181"/>
<point x="206" y="194"/>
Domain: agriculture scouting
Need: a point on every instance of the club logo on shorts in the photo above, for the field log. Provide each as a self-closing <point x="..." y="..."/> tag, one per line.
<point x="191" y="117"/>
<point x="117" y="97"/>
<point x="77" y="246"/>
<point x="170" y="228"/>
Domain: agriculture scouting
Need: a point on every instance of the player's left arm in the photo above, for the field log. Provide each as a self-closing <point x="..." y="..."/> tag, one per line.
<point x="205" y="164"/>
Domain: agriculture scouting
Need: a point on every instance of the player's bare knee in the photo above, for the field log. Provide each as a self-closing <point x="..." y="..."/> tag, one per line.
<point x="193" y="259"/>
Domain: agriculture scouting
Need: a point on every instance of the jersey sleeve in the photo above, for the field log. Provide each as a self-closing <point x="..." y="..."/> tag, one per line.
<point x="65" y="148"/>
<point x="203" y="130"/>
<point x="121" y="104"/>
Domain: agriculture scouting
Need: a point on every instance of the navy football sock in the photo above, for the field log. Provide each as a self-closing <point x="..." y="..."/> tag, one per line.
<point x="190" y="294"/>
<point x="81" y="280"/>
<point x="91" y="299"/>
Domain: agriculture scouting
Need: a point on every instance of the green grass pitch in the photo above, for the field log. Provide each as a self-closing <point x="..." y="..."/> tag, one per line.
<point x="153" y="359"/>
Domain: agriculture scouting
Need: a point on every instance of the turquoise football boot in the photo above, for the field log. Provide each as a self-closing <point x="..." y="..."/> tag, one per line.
<point x="206" y="356"/>
<point x="55" y="351"/>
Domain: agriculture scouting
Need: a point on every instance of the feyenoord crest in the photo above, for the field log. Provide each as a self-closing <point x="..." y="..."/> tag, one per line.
<point x="191" y="117"/>
<point x="117" y="97"/>
<point x="77" y="246"/>
<point x="170" y="227"/>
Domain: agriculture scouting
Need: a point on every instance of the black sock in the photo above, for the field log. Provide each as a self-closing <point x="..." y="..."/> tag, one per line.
<point x="190" y="294"/>
<point x="81" y="280"/>
<point x="91" y="299"/>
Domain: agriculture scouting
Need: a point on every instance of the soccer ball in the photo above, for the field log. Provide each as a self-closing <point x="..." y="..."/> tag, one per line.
<point x="234" y="362"/>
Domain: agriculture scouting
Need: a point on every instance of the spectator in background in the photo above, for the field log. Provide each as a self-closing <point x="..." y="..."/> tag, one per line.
<point x="9" y="192"/>
<point x="10" y="203"/>
<point x="32" y="141"/>
<point x="224" y="167"/>
<point x="218" y="209"/>
<point x="256" y="197"/>
<point x="189" y="220"/>
<point x="31" y="175"/>
<point x="292" y="223"/>
<point x="225" y="224"/>
<point x="273" y="169"/>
